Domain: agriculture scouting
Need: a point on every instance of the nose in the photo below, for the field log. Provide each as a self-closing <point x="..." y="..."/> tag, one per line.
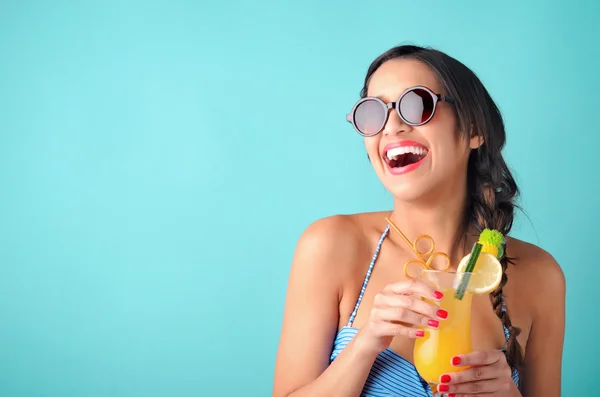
<point x="395" y="125"/>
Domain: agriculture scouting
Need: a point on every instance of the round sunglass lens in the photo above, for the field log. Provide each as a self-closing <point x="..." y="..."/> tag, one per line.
<point x="417" y="106"/>
<point x="369" y="117"/>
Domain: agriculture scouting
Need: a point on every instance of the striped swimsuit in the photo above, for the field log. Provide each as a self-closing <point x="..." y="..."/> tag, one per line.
<point x="391" y="375"/>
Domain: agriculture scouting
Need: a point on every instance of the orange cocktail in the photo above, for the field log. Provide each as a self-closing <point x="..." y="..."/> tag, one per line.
<point x="433" y="353"/>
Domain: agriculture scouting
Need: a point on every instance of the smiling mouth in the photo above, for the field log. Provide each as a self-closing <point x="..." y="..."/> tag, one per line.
<point x="405" y="155"/>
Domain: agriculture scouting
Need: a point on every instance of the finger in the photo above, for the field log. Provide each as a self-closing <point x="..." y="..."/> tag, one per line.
<point x="415" y="287"/>
<point x="412" y="303"/>
<point x="405" y="316"/>
<point x="390" y="329"/>
<point x="473" y="374"/>
<point x="481" y="388"/>
<point x="478" y="358"/>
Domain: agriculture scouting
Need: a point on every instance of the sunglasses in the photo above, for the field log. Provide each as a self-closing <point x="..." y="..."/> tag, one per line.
<point x="415" y="106"/>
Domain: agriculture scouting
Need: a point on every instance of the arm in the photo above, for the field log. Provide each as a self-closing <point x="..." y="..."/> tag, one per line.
<point x="311" y="318"/>
<point x="543" y="359"/>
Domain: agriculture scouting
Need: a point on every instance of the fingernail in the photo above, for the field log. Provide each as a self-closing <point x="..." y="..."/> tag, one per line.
<point x="443" y="387"/>
<point x="438" y="295"/>
<point x="420" y="333"/>
<point x="442" y="313"/>
<point x="433" y="323"/>
<point x="451" y="395"/>
<point x="456" y="361"/>
<point x="445" y="379"/>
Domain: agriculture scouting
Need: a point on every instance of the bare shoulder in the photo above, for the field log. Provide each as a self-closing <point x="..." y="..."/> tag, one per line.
<point x="326" y="235"/>
<point x="536" y="273"/>
<point x="533" y="262"/>
<point x="332" y="243"/>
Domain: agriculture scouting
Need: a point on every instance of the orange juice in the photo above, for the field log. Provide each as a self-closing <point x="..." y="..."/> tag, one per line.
<point x="433" y="353"/>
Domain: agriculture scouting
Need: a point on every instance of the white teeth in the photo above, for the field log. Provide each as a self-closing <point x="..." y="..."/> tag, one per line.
<point x="397" y="151"/>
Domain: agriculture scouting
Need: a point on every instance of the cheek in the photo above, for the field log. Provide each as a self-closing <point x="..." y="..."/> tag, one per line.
<point x="372" y="147"/>
<point x="447" y="141"/>
<point x="451" y="156"/>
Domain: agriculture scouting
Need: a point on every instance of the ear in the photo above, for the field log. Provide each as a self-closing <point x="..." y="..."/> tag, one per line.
<point x="476" y="141"/>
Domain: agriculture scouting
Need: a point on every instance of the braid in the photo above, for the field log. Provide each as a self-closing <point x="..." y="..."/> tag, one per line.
<point x="493" y="190"/>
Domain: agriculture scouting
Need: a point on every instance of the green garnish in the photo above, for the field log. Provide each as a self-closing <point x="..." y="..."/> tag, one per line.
<point x="460" y="291"/>
<point x="492" y="237"/>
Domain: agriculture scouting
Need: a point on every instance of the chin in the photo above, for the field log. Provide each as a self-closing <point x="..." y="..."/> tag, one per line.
<point x="409" y="192"/>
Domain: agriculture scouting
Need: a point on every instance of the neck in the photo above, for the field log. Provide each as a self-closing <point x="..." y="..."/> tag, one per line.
<point x="440" y="216"/>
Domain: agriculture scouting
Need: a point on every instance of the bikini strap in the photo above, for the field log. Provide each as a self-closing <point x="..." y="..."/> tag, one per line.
<point x="506" y="331"/>
<point x="515" y="372"/>
<point x="368" y="276"/>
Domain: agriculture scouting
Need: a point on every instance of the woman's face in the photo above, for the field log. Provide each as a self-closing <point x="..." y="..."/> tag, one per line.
<point x="436" y="156"/>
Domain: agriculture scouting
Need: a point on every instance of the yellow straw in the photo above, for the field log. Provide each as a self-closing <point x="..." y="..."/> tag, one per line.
<point x="393" y="225"/>
<point x="420" y="255"/>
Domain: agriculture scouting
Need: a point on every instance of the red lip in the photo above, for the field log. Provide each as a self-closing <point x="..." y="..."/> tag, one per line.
<point x="405" y="169"/>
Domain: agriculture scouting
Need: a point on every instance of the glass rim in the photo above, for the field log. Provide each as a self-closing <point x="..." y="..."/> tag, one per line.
<point x="435" y="271"/>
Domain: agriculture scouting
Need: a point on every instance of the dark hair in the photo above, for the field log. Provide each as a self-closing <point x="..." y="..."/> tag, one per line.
<point x="491" y="187"/>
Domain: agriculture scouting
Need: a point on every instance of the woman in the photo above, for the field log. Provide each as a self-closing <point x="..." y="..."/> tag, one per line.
<point x="351" y="316"/>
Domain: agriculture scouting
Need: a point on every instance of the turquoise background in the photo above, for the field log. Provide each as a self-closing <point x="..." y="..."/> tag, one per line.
<point x="158" y="161"/>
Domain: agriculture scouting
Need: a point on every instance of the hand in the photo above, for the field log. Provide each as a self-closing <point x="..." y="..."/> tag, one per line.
<point x="399" y="310"/>
<point x="489" y="375"/>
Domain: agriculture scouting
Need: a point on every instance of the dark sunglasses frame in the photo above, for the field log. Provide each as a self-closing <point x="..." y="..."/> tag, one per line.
<point x="396" y="105"/>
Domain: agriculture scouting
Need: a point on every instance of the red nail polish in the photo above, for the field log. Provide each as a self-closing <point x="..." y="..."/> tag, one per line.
<point x="443" y="388"/>
<point x="433" y="323"/>
<point x="442" y="313"/>
<point x="438" y="295"/>
<point x="456" y="361"/>
<point x="451" y="395"/>
<point x="420" y="333"/>
<point x="445" y="379"/>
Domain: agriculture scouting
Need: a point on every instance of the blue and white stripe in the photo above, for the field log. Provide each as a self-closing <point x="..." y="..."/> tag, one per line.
<point x="368" y="276"/>
<point x="391" y="374"/>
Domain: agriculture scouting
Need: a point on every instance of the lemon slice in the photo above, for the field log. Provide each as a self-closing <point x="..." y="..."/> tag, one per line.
<point x="488" y="270"/>
<point x="489" y="248"/>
